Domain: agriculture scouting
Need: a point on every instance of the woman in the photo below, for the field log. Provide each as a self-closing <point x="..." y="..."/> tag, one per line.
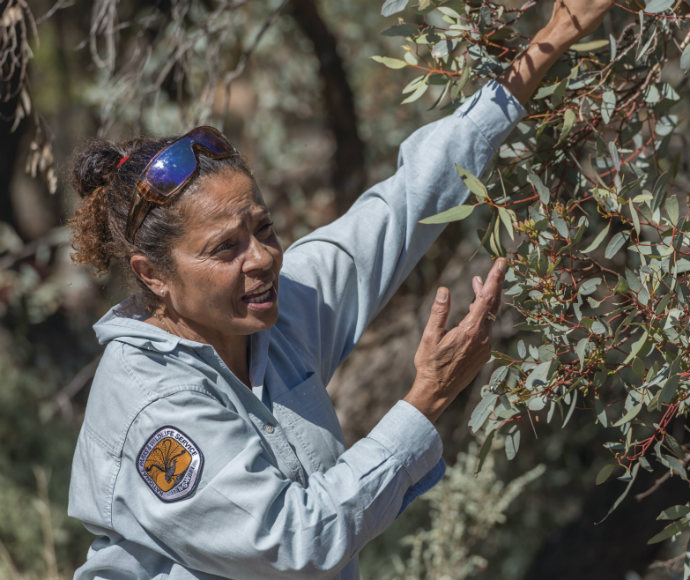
<point x="210" y="448"/>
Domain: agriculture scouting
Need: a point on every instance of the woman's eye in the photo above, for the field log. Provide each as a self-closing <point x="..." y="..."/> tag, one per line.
<point x="227" y="245"/>
<point x="266" y="230"/>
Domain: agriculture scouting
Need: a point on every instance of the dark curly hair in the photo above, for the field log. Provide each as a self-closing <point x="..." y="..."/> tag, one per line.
<point x="106" y="187"/>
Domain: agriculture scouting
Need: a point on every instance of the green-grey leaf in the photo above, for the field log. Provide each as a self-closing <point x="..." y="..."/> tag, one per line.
<point x="484" y="451"/>
<point x="581" y="350"/>
<point x="418" y="92"/>
<point x="685" y="59"/>
<point x="590" y="46"/>
<point x="391" y="7"/>
<point x="600" y="410"/>
<point x="482" y="411"/>
<point x="630" y="415"/>
<point x="672" y="209"/>
<point x="604" y="473"/>
<point x="542" y="190"/>
<point x="635" y="217"/>
<point x="657" y="6"/>
<point x="539" y="376"/>
<point x="571" y="410"/>
<point x="674" y="512"/>
<point x="615" y="244"/>
<point x="669" y="531"/>
<point x="597" y="241"/>
<point x="507" y="220"/>
<point x="512" y="444"/>
<point x="608" y="105"/>
<point x="633" y="475"/>
<point x="453" y="214"/>
<point x="473" y="184"/>
<point x="589" y="286"/>
<point x="390" y="62"/>
<point x="636" y="346"/>
<point x="568" y="121"/>
<point x="400" y="30"/>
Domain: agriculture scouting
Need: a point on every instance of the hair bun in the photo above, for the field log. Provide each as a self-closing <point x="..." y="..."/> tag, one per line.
<point x="93" y="166"/>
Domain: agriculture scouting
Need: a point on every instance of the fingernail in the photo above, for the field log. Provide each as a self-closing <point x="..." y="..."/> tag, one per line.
<point x="442" y="295"/>
<point x="502" y="265"/>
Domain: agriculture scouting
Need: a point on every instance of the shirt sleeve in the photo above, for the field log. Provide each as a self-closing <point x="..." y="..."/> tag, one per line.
<point x="245" y="519"/>
<point x="345" y="272"/>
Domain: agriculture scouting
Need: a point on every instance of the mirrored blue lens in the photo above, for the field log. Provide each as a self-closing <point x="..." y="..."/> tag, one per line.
<point x="212" y="140"/>
<point x="175" y="165"/>
<point x="172" y="168"/>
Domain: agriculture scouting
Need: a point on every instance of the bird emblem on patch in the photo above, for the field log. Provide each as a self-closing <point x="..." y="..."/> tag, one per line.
<point x="170" y="463"/>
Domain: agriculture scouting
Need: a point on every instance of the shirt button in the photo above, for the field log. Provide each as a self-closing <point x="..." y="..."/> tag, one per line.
<point x="268" y="428"/>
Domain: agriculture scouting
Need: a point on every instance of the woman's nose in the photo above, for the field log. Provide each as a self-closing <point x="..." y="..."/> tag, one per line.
<point x="258" y="256"/>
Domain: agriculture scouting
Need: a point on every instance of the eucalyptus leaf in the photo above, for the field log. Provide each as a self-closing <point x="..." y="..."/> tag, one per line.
<point x="512" y="444"/>
<point x="657" y="6"/>
<point x="391" y="7"/>
<point x="685" y="59"/>
<point x="615" y="244"/>
<point x="473" y="184"/>
<point x="591" y="46"/>
<point x="670" y="531"/>
<point x="393" y="63"/>
<point x="674" y="512"/>
<point x="604" y="473"/>
<point x="596" y="242"/>
<point x="453" y="214"/>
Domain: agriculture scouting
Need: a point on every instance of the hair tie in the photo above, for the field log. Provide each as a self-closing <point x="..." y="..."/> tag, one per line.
<point x="122" y="161"/>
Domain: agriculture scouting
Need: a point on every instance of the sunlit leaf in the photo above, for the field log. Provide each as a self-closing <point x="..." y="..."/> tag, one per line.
<point x="393" y="63"/>
<point x="590" y="46"/>
<point x="391" y="7"/>
<point x="657" y="6"/>
<point x="453" y="214"/>
<point x="473" y="184"/>
<point x="569" y="119"/>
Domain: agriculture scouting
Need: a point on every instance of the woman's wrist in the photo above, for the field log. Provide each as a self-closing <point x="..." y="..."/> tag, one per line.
<point x="424" y="398"/>
<point x="525" y="73"/>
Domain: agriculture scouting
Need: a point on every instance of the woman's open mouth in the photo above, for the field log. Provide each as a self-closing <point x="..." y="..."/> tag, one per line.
<point x="263" y="297"/>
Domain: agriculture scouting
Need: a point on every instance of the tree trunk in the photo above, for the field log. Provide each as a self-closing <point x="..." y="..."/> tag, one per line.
<point x="348" y="174"/>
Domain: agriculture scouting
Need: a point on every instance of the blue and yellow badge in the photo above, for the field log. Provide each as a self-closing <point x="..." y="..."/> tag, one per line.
<point x="170" y="463"/>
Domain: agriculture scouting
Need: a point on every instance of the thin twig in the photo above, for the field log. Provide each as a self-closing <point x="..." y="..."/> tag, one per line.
<point x="62" y="399"/>
<point x="59" y="5"/>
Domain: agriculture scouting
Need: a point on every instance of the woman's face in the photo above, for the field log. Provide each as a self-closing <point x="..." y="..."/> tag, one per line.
<point x="227" y="262"/>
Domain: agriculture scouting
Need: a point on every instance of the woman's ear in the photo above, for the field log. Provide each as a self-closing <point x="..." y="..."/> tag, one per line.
<point x="148" y="274"/>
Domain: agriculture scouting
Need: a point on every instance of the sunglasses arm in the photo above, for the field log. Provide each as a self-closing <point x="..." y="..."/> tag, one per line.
<point x="140" y="208"/>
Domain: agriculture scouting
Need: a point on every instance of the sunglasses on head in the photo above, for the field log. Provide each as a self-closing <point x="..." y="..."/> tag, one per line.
<point x="173" y="167"/>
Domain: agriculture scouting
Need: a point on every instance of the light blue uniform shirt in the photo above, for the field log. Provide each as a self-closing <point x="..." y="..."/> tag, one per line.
<point x="184" y="472"/>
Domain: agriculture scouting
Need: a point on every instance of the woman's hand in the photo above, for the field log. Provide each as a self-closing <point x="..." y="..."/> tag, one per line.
<point x="570" y="21"/>
<point x="574" y="19"/>
<point x="447" y="361"/>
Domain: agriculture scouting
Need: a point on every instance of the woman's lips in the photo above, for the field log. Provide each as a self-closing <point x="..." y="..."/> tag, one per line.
<point x="262" y="298"/>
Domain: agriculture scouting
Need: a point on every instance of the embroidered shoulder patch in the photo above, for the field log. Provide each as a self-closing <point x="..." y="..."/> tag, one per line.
<point x="170" y="463"/>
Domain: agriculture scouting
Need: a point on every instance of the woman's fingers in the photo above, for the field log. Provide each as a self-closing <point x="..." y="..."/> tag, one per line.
<point x="477" y="284"/>
<point x="584" y="16"/>
<point x="489" y="296"/>
<point x="440" y="309"/>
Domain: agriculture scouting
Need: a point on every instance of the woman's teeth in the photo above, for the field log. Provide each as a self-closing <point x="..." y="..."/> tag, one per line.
<point x="265" y="294"/>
